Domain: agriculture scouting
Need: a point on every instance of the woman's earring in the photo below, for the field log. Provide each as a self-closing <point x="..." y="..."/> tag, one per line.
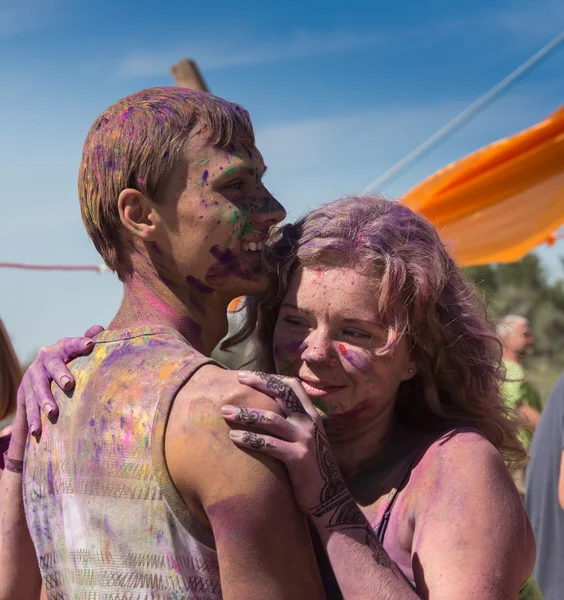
<point x="410" y="371"/>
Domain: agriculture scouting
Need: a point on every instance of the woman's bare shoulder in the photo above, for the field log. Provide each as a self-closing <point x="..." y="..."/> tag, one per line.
<point x="462" y="479"/>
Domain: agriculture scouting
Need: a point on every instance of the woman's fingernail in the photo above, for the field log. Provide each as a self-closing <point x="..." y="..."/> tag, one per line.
<point x="49" y="408"/>
<point x="244" y="374"/>
<point x="88" y="343"/>
<point x="32" y="429"/>
<point x="65" y="381"/>
<point x="236" y="435"/>
<point x="228" y="410"/>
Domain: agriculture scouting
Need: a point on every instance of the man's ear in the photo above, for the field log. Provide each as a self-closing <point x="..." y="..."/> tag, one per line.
<point x="137" y="214"/>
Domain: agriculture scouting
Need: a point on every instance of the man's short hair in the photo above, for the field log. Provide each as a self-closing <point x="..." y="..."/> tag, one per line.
<point x="506" y="324"/>
<point x="136" y="143"/>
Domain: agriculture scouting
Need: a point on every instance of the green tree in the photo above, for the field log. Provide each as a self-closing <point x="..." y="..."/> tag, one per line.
<point x="524" y="288"/>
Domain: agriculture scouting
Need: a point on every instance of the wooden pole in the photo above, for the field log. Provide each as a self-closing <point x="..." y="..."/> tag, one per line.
<point x="186" y="74"/>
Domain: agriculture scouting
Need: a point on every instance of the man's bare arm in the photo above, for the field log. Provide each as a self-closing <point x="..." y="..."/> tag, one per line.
<point x="528" y="416"/>
<point x="263" y="544"/>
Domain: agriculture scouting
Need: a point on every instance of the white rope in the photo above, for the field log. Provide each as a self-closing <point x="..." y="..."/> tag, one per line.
<point x="464" y="115"/>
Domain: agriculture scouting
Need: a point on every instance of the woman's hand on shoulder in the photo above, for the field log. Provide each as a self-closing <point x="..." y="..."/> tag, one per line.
<point x="34" y="394"/>
<point x="297" y="439"/>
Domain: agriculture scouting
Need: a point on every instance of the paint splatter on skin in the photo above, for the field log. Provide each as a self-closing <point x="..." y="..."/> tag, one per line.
<point x="328" y="332"/>
<point x="358" y="360"/>
<point x="227" y="265"/>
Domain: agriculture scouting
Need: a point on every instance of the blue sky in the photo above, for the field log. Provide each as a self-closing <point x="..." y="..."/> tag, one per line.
<point x="338" y="92"/>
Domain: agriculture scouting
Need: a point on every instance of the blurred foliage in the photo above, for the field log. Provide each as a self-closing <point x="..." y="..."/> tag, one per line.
<point x="524" y="288"/>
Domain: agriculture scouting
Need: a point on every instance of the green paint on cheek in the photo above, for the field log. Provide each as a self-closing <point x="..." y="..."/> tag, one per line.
<point x="246" y="226"/>
<point x="229" y="170"/>
<point x="235" y="217"/>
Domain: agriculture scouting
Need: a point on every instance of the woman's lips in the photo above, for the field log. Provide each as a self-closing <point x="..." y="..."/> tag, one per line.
<point x="318" y="389"/>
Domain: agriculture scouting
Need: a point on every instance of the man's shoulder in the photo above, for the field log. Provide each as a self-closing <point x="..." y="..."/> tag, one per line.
<point x="203" y="462"/>
<point x="212" y="387"/>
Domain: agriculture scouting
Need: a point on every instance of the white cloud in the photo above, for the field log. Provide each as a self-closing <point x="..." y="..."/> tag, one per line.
<point x="211" y="56"/>
<point x="317" y="160"/>
<point x="527" y="19"/>
<point x="518" y="21"/>
<point x="25" y="16"/>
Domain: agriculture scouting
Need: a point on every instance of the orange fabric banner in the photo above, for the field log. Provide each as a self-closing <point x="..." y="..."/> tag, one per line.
<point x="500" y="202"/>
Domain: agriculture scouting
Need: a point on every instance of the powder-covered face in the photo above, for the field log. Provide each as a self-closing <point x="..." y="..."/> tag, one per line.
<point x="216" y="213"/>
<point x="327" y="335"/>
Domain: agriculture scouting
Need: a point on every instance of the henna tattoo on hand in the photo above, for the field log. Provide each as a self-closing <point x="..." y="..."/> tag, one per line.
<point x="283" y="391"/>
<point x="256" y="442"/>
<point x="253" y="439"/>
<point x="250" y="417"/>
<point x="246" y="416"/>
<point x="334" y="491"/>
<point x="336" y="499"/>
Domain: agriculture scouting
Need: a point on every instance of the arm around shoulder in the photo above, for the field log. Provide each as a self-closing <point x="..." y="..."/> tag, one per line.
<point x="262" y="540"/>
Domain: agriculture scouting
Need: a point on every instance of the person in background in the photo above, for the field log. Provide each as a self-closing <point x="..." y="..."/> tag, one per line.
<point x="10" y="377"/>
<point x="520" y="395"/>
<point x="545" y="495"/>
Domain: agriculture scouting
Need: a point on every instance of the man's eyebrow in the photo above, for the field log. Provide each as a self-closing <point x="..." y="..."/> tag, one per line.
<point x="239" y="169"/>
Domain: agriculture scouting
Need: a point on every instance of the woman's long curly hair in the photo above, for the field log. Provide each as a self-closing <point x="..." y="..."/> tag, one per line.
<point x="10" y="374"/>
<point x="423" y="295"/>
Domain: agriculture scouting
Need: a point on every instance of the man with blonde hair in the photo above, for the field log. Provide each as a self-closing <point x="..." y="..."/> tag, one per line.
<point x="138" y="492"/>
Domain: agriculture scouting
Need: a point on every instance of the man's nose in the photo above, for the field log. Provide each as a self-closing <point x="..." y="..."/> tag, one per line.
<point x="269" y="211"/>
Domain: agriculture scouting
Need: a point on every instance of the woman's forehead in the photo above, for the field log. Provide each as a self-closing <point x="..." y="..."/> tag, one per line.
<point x="343" y="289"/>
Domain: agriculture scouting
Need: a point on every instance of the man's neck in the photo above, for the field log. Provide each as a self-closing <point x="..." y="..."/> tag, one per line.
<point x="510" y="355"/>
<point x="148" y="301"/>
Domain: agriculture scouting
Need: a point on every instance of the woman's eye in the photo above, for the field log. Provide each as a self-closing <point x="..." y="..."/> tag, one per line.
<point x="356" y="334"/>
<point x="294" y="320"/>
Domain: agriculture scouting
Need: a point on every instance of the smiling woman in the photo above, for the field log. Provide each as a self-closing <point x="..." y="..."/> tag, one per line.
<point x="395" y="448"/>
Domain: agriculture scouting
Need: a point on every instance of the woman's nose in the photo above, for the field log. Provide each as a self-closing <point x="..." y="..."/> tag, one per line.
<point x="318" y="349"/>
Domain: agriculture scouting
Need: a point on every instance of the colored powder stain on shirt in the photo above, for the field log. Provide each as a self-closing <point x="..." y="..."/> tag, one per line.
<point x="50" y="482"/>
